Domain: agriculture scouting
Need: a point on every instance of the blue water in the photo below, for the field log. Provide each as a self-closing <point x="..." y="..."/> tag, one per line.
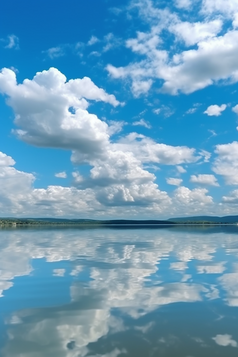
<point x="119" y="292"/>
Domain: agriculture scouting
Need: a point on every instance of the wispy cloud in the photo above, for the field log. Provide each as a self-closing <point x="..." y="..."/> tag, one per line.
<point x="11" y="42"/>
<point x="142" y="122"/>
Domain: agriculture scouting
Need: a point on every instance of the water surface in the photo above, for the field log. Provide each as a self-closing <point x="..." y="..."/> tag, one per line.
<point x="119" y="292"/>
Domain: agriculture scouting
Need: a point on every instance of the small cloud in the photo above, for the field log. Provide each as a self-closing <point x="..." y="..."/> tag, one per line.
<point x="213" y="133"/>
<point x="180" y="169"/>
<point x="157" y="111"/>
<point x="12" y="42"/>
<point x="142" y="122"/>
<point x="235" y="109"/>
<point x="61" y="175"/>
<point x="206" y="155"/>
<point x="225" y="340"/>
<point x="204" y="180"/>
<point x="93" y="40"/>
<point x="215" y="110"/>
<point x="59" y="272"/>
<point x="77" y="177"/>
<point x="111" y="42"/>
<point x="174" y="181"/>
<point x="115" y="127"/>
<point x="191" y="110"/>
<point x="63" y="49"/>
<point x="55" y="52"/>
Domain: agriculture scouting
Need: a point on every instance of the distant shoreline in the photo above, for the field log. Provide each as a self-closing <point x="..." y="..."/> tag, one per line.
<point x="54" y="222"/>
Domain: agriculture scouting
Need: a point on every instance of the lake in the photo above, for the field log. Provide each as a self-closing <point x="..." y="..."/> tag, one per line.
<point x="119" y="292"/>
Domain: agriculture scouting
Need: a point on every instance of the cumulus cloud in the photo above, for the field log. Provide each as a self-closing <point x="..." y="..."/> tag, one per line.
<point x="225" y="340"/>
<point x="197" y="196"/>
<point x="231" y="198"/>
<point x="6" y="160"/>
<point x="174" y="181"/>
<point x="203" y="179"/>
<point x="147" y="150"/>
<point x="192" y="33"/>
<point x="61" y="174"/>
<point x="235" y="109"/>
<point x="212" y="49"/>
<point x="215" y="110"/>
<point x="53" y="113"/>
<point x="226" y="163"/>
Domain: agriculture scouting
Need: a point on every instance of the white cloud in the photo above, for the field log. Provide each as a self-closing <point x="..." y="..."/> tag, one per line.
<point x="226" y="164"/>
<point x="181" y="169"/>
<point x="213" y="55"/>
<point x="203" y="179"/>
<point x="45" y="116"/>
<point x="52" y="112"/>
<point x="12" y="42"/>
<point x="192" y="33"/>
<point x="157" y="111"/>
<point x="225" y="340"/>
<point x="183" y="4"/>
<point x="61" y="174"/>
<point x="142" y="122"/>
<point x="147" y="150"/>
<point x="228" y="8"/>
<point x="229" y="283"/>
<point x="215" y="110"/>
<point x="174" y="181"/>
<point x="235" y="109"/>
<point x="205" y="154"/>
<point x="196" y="197"/>
<point x="231" y="198"/>
<point x="214" y="268"/>
<point x="140" y="87"/>
<point x="55" y="52"/>
<point x="6" y="160"/>
<point x="92" y="40"/>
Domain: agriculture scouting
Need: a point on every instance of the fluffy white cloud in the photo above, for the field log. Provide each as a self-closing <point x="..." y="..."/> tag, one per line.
<point x="61" y="174"/>
<point x="225" y="340"/>
<point x="192" y="33"/>
<point x="226" y="164"/>
<point x="204" y="179"/>
<point x="231" y="198"/>
<point x="6" y="160"/>
<point x="228" y="8"/>
<point x="215" y="110"/>
<point x="147" y="150"/>
<point x="195" y="197"/>
<point x="235" y="109"/>
<point x="174" y="181"/>
<point x="213" y="55"/>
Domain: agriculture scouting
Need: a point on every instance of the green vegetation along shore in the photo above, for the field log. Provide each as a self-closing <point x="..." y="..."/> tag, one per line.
<point x="33" y="222"/>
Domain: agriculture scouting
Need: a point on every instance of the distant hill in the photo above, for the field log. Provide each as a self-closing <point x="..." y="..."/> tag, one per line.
<point x="213" y="219"/>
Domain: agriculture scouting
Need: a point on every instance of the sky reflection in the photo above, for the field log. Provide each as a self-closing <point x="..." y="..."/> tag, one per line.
<point x="108" y="292"/>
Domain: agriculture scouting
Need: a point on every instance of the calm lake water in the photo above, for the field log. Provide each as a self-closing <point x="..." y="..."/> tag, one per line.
<point x="119" y="292"/>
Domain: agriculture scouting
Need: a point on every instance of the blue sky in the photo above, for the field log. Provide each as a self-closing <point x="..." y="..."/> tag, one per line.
<point x="119" y="109"/>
